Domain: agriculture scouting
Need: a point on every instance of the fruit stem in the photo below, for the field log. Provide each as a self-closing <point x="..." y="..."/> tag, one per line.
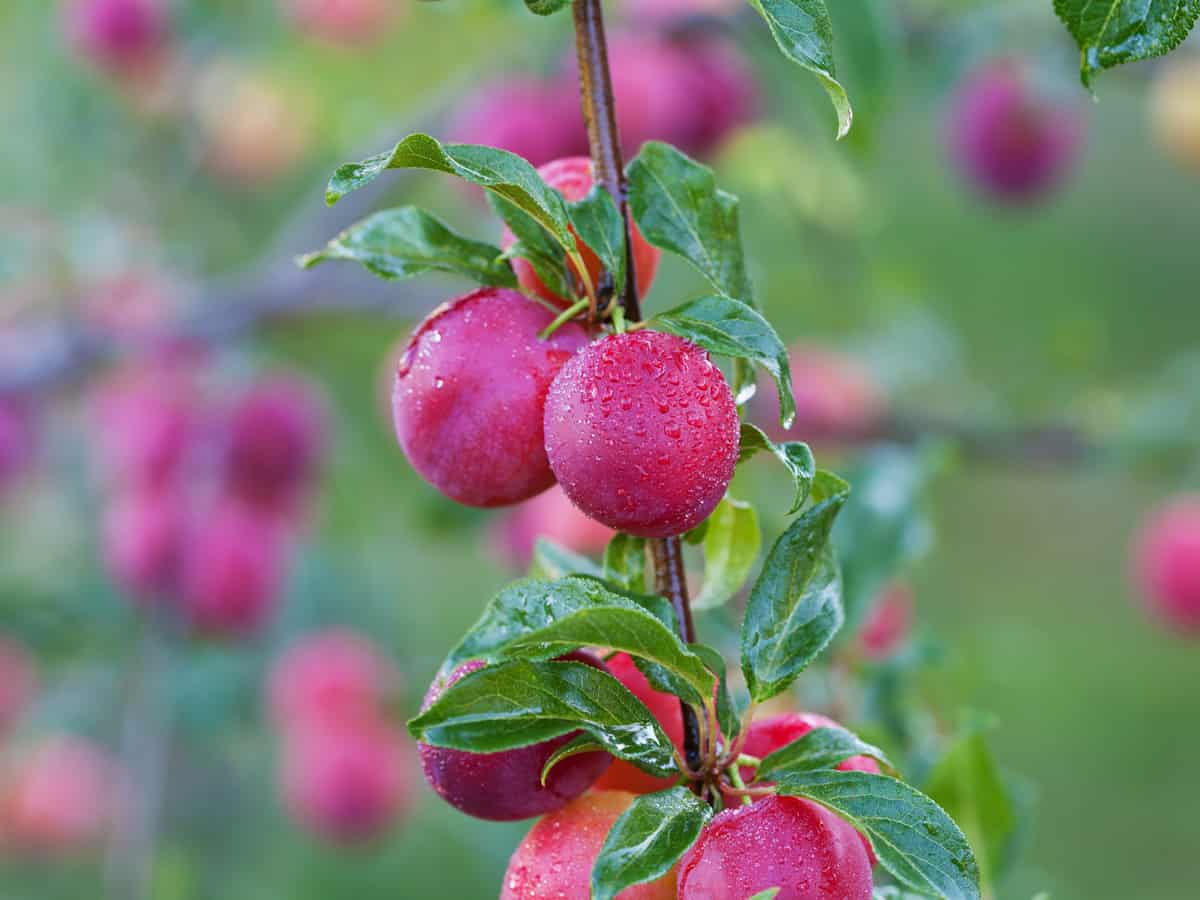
<point x="735" y="778"/>
<point x="599" y="112"/>
<point x="564" y="317"/>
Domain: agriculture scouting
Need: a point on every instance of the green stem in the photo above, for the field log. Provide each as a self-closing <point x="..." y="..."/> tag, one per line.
<point x="564" y="317"/>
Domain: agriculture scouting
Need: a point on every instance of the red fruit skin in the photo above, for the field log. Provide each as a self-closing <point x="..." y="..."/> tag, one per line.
<point x="118" y="36"/>
<point x="785" y="842"/>
<point x="536" y="120"/>
<point x="836" y="398"/>
<point x="572" y="177"/>
<point x="146" y="423"/>
<point x="18" y="683"/>
<point x="470" y="392"/>
<point x="889" y="623"/>
<point x="1167" y="564"/>
<point x="232" y="572"/>
<point x="1009" y="140"/>
<point x="144" y="536"/>
<point x="642" y="433"/>
<point x="276" y="439"/>
<point x="554" y="860"/>
<point x="506" y="786"/>
<point x="347" y="785"/>
<point x="623" y="776"/>
<point x="550" y="515"/>
<point x="58" y="799"/>
<point x="333" y="679"/>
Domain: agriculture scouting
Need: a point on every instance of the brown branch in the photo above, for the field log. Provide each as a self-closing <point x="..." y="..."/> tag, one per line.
<point x="670" y="580"/>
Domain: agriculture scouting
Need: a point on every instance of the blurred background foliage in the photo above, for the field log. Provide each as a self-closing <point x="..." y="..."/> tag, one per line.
<point x="1081" y="309"/>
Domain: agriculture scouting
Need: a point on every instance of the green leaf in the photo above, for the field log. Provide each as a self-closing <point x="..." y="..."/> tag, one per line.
<point x="546" y="7"/>
<point x="969" y="786"/>
<point x="551" y="562"/>
<point x="796" y="457"/>
<point x="1112" y="32"/>
<point x="515" y="704"/>
<point x="625" y="562"/>
<point x="731" y="545"/>
<point x="407" y="241"/>
<point x="804" y="32"/>
<point x="821" y="748"/>
<point x="504" y="174"/>
<point x="729" y="714"/>
<point x="535" y="244"/>
<point x="678" y="207"/>
<point x="884" y="526"/>
<point x="768" y="894"/>
<point x="598" y="223"/>
<point x="912" y="836"/>
<point x="648" y="839"/>
<point x="728" y="327"/>
<point x="891" y="892"/>
<point x="795" y="606"/>
<point x="582" y="743"/>
<point x="533" y="619"/>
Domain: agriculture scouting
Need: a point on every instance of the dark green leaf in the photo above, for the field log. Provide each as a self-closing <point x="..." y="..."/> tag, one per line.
<point x="968" y="785"/>
<point x="598" y="223"/>
<point x="505" y="174"/>
<point x="795" y="607"/>
<point x="729" y="327"/>
<point x="407" y="241"/>
<point x="515" y="704"/>
<point x="648" y="839"/>
<point x="625" y="562"/>
<point x="536" y="245"/>
<point x="543" y="619"/>
<point x="546" y="7"/>
<point x="678" y="207"/>
<point x="731" y="544"/>
<point x="729" y="715"/>
<point x="804" y="33"/>
<point x="744" y="385"/>
<point x="912" y="836"/>
<point x="796" y="457"/>
<point x="821" y="748"/>
<point x="550" y="562"/>
<point x="1111" y="32"/>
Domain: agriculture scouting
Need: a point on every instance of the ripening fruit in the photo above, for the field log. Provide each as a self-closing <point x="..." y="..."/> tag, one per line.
<point x="550" y="515"/>
<point x="572" y="177"/>
<point x="120" y="37"/>
<point x="232" y="571"/>
<point x="1167" y="563"/>
<point x="470" y="392"/>
<point x="144" y="535"/>
<point x="554" y="860"/>
<point x="342" y="21"/>
<point x="145" y="422"/>
<point x="765" y="736"/>
<point x="1175" y="110"/>
<point x="505" y="786"/>
<point x="669" y="11"/>
<point x="785" y="842"/>
<point x="1011" y="140"/>
<point x="536" y="120"/>
<point x="642" y="433"/>
<point x="347" y="785"/>
<point x="18" y="438"/>
<point x="18" y="683"/>
<point x="889" y="623"/>
<point x="58" y="798"/>
<point x="623" y="776"/>
<point x="836" y="398"/>
<point x="329" y="679"/>
<point x="276" y="436"/>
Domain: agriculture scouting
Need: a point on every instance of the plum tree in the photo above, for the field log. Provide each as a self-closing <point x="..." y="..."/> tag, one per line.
<point x="779" y="842"/>
<point x="1175" y="111"/>
<point x="1009" y="140"/>
<point x="551" y="515"/>
<point x="120" y="37"/>
<point x="573" y="178"/>
<point x="507" y="785"/>
<point x="889" y="623"/>
<point x="623" y="776"/>
<point x="555" y="858"/>
<point x="18" y="683"/>
<point x="1167" y="563"/>
<point x="836" y="398"/>
<point x="470" y="393"/>
<point x="642" y="433"/>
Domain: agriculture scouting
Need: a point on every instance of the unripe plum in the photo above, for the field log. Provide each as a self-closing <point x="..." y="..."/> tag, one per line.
<point x="347" y="785"/>
<point x="276" y="432"/>
<point x="785" y="842"/>
<point x="233" y="571"/>
<point x="118" y="36"/>
<point x="1167" y="564"/>
<point x="58" y="798"/>
<point x="536" y="120"/>
<point x="342" y="21"/>
<point x="1009" y="139"/>
<point x="642" y="433"/>
<point x="550" y="515"/>
<point x="889" y="623"/>
<point x="623" y="776"/>
<point x="506" y="785"/>
<point x="836" y="398"/>
<point x="573" y="178"/>
<point x="144" y="536"/>
<point x="1175" y="110"/>
<point x="18" y="683"/>
<point x="470" y="392"/>
<point x="329" y="679"/>
<point x="554" y="861"/>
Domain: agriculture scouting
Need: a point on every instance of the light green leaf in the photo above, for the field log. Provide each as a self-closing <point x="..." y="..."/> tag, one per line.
<point x="536" y="245"/>
<point x="768" y="894"/>
<point x="598" y="224"/>
<point x="551" y="562"/>
<point x="821" y="748"/>
<point x="731" y="544"/>
<point x="625" y="562"/>
<point x="1112" y="32"/>
<point x="796" y="457"/>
